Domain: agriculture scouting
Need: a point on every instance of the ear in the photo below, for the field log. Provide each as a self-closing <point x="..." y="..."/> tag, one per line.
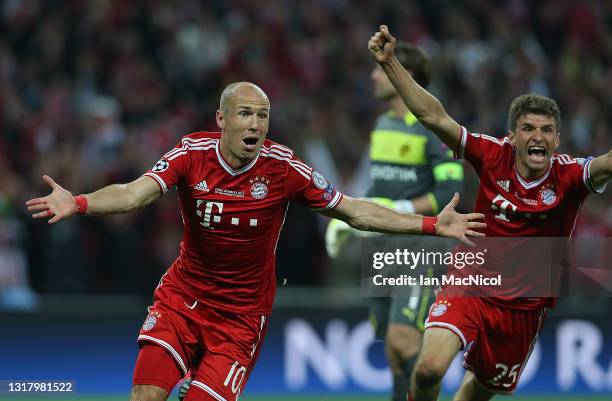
<point x="512" y="137"/>
<point x="220" y="119"/>
<point x="557" y="140"/>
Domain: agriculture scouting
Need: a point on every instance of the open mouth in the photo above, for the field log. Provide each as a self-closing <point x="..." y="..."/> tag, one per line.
<point x="250" y="142"/>
<point x="536" y="153"/>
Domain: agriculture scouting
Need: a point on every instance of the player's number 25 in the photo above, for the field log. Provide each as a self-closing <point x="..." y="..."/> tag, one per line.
<point x="512" y="375"/>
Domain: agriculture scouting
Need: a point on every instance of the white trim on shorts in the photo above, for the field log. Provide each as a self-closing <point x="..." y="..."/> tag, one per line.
<point x="450" y="327"/>
<point x="209" y="390"/>
<point x="168" y="347"/>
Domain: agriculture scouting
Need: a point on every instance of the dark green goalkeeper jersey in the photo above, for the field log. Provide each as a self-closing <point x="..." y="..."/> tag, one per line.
<point x="408" y="161"/>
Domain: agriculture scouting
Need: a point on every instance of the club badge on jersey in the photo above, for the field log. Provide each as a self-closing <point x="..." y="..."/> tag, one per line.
<point x="547" y="196"/>
<point x="151" y="320"/>
<point x="440" y="308"/>
<point x="259" y="187"/>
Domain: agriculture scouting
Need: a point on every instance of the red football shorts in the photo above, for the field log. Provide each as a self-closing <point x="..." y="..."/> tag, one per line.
<point x="220" y="348"/>
<point x="497" y="341"/>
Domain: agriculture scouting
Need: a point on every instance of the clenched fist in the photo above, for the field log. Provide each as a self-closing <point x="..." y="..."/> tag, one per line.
<point x="382" y="45"/>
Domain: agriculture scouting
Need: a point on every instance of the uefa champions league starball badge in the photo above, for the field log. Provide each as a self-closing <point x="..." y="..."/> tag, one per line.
<point x="161" y="165"/>
<point x="259" y="187"/>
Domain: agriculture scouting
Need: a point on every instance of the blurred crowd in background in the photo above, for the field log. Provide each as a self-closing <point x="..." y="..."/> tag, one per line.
<point x="94" y="92"/>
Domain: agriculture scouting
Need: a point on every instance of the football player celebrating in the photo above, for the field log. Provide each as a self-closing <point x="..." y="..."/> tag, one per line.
<point x="212" y="306"/>
<point x="526" y="190"/>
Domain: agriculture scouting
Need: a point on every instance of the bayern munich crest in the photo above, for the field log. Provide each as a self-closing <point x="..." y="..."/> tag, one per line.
<point x="439" y="309"/>
<point x="548" y="196"/>
<point x="259" y="187"/>
<point x="150" y="321"/>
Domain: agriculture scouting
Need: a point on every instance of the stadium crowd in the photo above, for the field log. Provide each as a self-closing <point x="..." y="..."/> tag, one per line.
<point x="93" y="92"/>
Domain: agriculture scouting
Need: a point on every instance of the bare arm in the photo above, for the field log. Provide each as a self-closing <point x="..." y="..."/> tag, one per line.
<point x="601" y="169"/>
<point x="113" y="199"/>
<point x="421" y="103"/>
<point x="368" y="216"/>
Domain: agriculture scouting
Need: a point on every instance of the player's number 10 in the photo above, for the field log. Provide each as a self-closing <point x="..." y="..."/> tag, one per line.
<point x="235" y="373"/>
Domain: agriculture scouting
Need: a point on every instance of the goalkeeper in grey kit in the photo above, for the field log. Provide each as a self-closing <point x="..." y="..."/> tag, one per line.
<point x="413" y="171"/>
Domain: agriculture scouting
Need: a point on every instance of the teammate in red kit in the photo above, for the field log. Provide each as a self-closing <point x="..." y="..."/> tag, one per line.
<point x="526" y="190"/>
<point x="211" y="308"/>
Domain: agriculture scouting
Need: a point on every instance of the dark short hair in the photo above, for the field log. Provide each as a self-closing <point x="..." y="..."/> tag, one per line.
<point x="533" y="104"/>
<point x="415" y="60"/>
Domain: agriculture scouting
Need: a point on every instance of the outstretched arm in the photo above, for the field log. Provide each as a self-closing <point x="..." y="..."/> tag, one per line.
<point x="113" y="199"/>
<point x="601" y="169"/>
<point x="368" y="216"/>
<point x="421" y="103"/>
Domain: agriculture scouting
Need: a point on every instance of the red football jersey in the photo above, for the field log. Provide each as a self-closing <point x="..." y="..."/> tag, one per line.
<point x="515" y="207"/>
<point x="232" y="218"/>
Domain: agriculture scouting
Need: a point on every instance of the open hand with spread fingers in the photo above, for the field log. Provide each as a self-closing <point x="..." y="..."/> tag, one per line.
<point x="382" y="45"/>
<point x="456" y="225"/>
<point x="58" y="205"/>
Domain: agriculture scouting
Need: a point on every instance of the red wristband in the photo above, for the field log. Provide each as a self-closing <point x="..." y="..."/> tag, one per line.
<point x="429" y="225"/>
<point x="81" y="202"/>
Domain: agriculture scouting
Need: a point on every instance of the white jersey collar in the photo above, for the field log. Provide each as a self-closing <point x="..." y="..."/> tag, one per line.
<point x="532" y="184"/>
<point x="227" y="167"/>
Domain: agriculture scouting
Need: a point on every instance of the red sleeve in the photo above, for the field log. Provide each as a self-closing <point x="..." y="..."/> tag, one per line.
<point x="577" y="174"/>
<point x="309" y="187"/>
<point x="481" y="150"/>
<point x="171" y="167"/>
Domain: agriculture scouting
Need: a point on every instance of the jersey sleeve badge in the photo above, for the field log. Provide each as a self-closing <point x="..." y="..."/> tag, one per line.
<point x="161" y="165"/>
<point x="318" y="180"/>
<point x="321" y="183"/>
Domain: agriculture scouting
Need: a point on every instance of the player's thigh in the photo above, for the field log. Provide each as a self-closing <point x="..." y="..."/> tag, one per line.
<point x="173" y="326"/>
<point x="155" y="370"/>
<point x="471" y="390"/>
<point x="146" y="392"/>
<point x="438" y="350"/>
<point x="232" y="348"/>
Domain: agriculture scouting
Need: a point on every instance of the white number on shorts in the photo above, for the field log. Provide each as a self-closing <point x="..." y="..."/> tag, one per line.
<point x="235" y="374"/>
<point x="513" y="375"/>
